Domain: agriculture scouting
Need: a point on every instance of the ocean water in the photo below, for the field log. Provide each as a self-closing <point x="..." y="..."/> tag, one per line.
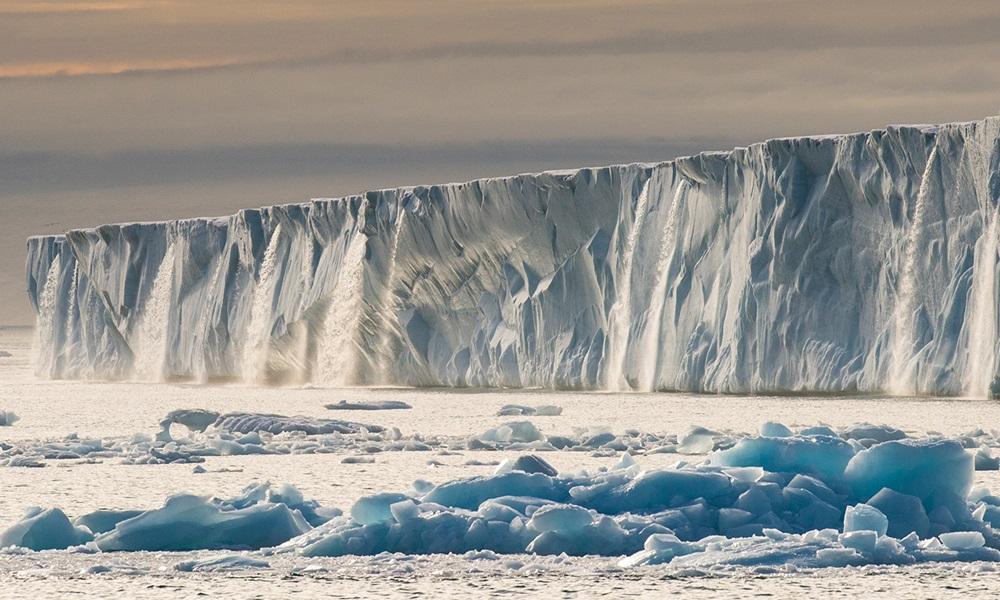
<point x="53" y="409"/>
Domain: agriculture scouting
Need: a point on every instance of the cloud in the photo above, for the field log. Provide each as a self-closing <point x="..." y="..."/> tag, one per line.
<point x="41" y="172"/>
<point x="59" y="70"/>
<point x="41" y="8"/>
<point x="741" y="36"/>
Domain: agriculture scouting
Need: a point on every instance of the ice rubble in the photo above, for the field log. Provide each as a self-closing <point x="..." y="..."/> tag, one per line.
<point x="755" y="503"/>
<point x="863" y="262"/>
<point x="194" y="435"/>
<point x="262" y="516"/>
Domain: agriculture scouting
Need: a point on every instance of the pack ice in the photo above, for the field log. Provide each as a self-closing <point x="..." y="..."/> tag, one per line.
<point x="798" y="500"/>
<point x="863" y="262"/>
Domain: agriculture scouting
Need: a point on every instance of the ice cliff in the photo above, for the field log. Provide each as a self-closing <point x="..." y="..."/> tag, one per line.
<point x="863" y="262"/>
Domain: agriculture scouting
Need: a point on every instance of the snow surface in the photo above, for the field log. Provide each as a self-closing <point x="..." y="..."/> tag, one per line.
<point x="850" y="263"/>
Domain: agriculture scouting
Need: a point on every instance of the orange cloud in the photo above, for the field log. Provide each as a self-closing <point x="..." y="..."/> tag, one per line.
<point x="71" y="69"/>
<point x="44" y="8"/>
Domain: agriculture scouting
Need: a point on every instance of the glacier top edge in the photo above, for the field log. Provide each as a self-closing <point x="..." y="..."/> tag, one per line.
<point x="921" y="128"/>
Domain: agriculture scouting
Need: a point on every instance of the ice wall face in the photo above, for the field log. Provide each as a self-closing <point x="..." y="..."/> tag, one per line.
<point x="863" y="262"/>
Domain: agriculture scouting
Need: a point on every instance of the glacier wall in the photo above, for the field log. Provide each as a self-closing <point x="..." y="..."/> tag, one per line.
<point x="851" y="263"/>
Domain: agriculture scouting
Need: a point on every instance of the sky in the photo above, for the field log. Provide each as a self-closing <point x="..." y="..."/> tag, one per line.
<point x="125" y="110"/>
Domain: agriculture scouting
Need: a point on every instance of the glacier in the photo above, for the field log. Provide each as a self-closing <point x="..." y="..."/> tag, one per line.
<point x="848" y="263"/>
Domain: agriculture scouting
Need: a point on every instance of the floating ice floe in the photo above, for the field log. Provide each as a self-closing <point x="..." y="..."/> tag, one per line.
<point x="42" y="529"/>
<point x="520" y="410"/>
<point x="370" y="405"/>
<point x="221" y="564"/>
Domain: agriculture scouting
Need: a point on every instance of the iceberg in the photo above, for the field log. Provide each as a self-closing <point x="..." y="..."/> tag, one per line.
<point x="863" y="262"/>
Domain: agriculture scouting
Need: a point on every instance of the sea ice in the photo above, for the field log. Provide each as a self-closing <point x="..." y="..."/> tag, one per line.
<point x="257" y="422"/>
<point x="962" y="540"/>
<point x="520" y="410"/>
<point x="773" y="429"/>
<point x="698" y="440"/>
<point x="261" y="516"/>
<point x="514" y="431"/>
<point x="370" y="405"/>
<point x="825" y="457"/>
<point x="920" y="468"/>
<point x="862" y="517"/>
<point x="44" y="530"/>
<point x="196" y="523"/>
<point x="222" y="564"/>
<point x="527" y="463"/>
<point x="101" y="521"/>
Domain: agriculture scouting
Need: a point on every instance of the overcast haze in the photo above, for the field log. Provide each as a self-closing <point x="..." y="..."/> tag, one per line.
<point x="131" y="110"/>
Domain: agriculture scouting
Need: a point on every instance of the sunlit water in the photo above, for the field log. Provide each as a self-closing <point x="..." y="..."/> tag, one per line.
<point x="52" y="409"/>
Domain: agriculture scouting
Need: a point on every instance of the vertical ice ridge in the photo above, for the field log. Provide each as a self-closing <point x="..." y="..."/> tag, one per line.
<point x="389" y="306"/>
<point x="983" y="329"/>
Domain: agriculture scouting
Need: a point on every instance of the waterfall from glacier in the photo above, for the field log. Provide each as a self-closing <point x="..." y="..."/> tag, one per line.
<point x="257" y="340"/>
<point x="292" y="355"/>
<point x="902" y="378"/>
<point x="620" y="320"/>
<point x="150" y="347"/>
<point x="44" y="348"/>
<point x="981" y="362"/>
<point x="68" y="318"/>
<point x="389" y="306"/>
<point x="650" y="342"/>
<point x="338" y="347"/>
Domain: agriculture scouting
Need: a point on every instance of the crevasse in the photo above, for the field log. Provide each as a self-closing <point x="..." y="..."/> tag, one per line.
<point x="848" y="263"/>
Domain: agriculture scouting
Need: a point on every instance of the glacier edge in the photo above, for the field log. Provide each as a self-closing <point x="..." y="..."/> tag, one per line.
<point x="849" y="263"/>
